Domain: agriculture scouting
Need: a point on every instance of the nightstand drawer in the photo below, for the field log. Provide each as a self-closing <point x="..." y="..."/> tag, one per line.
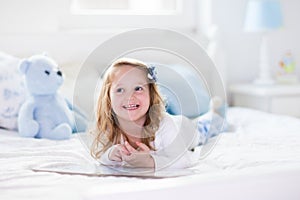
<point x="286" y="105"/>
<point x="251" y="101"/>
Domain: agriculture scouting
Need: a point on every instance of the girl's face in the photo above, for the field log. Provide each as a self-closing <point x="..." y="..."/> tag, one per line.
<point x="129" y="94"/>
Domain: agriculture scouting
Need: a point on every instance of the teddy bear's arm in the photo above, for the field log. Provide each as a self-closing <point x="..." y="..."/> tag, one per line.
<point x="27" y="110"/>
<point x="27" y="126"/>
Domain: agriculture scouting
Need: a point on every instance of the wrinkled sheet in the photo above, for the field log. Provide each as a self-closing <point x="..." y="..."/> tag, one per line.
<point x="260" y="152"/>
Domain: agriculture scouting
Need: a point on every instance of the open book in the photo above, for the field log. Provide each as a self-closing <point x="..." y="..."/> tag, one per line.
<point x="101" y="171"/>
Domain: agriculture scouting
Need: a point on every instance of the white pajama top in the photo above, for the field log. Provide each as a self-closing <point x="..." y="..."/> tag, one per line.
<point x="174" y="144"/>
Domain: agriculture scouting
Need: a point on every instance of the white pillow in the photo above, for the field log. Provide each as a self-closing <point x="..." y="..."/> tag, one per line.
<point x="12" y="91"/>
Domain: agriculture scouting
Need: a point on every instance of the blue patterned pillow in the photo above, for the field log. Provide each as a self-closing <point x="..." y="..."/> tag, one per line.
<point x="12" y="92"/>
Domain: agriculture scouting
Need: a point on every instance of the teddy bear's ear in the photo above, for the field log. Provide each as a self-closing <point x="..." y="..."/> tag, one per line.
<point x="24" y="64"/>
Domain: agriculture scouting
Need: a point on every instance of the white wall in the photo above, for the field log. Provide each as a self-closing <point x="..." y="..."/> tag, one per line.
<point x="32" y="26"/>
<point x="242" y="48"/>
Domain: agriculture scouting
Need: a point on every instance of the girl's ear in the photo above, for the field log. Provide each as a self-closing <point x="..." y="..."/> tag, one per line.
<point x="24" y="65"/>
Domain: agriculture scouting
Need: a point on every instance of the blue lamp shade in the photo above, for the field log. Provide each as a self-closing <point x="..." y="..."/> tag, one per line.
<point x="263" y="15"/>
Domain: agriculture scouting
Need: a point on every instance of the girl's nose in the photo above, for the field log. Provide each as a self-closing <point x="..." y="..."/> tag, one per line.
<point x="130" y="96"/>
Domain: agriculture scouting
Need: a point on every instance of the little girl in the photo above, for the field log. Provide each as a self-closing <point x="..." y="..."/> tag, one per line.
<point x="133" y="128"/>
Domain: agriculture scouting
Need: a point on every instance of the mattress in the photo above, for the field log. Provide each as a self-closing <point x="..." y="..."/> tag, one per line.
<point x="258" y="158"/>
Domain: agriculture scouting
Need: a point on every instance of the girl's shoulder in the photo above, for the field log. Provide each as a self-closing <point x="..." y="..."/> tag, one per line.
<point x="172" y="122"/>
<point x="167" y="119"/>
<point x="171" y="127"/>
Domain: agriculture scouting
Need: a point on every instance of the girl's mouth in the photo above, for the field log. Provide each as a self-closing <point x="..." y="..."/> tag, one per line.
<point x="131" y="106"/>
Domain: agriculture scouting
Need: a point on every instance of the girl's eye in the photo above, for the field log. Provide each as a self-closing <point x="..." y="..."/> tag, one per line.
<point x="47" y="72"/>
<point x="138" y="88"/>
<point x="120" y="90"/>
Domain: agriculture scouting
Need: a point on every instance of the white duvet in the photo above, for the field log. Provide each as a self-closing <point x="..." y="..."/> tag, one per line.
<point x="258" y="159"/>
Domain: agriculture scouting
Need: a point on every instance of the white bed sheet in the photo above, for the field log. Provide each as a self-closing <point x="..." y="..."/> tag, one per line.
<point x="258" y="159"/>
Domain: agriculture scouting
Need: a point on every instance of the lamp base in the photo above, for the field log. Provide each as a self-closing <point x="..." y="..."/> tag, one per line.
<point x="265" y="76"/>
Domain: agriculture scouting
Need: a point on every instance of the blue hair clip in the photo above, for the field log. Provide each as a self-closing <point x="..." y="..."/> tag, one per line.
<point x="152" y="73"/>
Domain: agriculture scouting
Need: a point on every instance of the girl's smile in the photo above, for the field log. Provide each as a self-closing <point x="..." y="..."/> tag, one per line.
<point x="131" y="106"/>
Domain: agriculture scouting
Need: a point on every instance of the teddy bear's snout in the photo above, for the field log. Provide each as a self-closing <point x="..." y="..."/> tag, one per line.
<point x="59" y="73"/>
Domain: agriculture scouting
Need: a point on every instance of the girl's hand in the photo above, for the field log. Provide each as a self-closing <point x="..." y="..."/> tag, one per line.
<point x="141" y="147"/>
<point x="116" y="152"/>
<point x="138" y="158"/>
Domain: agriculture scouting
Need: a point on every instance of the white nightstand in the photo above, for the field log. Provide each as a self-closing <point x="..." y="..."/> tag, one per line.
<point x="278" y="98"/>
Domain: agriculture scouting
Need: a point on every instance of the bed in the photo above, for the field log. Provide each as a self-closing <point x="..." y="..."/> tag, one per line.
<point x="259" y="158"/>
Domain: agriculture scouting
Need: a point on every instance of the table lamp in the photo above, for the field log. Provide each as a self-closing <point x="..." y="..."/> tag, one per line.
<point x="263" y="16"/>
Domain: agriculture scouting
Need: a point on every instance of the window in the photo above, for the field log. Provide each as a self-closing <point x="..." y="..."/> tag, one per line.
<point x="91" y="14"/>
<point x="125" y="7"/>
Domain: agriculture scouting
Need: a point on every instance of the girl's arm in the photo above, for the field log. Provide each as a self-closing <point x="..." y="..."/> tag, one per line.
<point x="174" y="142"/>
<point x="113" y="155"/>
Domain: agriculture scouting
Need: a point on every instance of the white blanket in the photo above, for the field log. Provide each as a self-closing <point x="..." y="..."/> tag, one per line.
<point x="261" y="153"/>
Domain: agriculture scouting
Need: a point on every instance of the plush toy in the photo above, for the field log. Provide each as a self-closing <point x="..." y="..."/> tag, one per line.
<point x="45" y="113"/>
